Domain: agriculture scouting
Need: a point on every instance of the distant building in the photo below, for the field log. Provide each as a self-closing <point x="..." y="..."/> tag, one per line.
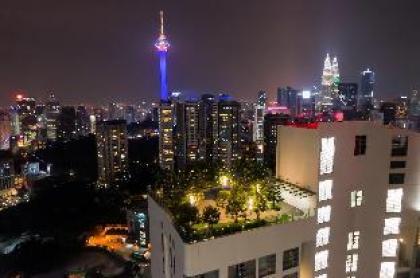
<point x="82" y="121"/>
<point x="166" y="136"/>
<point x="271" y="124"/>
<point x="112" y="149"/>
<point x="389" y="110"/>
<point x="330" y="79"/>
<point x="367" y="86"/>
<point x="66" y="129"/>
<point x="258" y="125"/>
<point x="52" y="111"/>
<point x="226" y="131"/>
<point x="7" y="172"/>
<point x="186" y="133"/>
<point x="5" y="130"/>
<point x="205" y="125"/>
<point x="289" y="97"/>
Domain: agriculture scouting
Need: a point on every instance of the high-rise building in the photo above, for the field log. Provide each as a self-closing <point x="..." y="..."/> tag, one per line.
<point x="166" y="136"/>
<point x="5" y="130"/>
<point x="26" y="111"/>
<point x="367" y="85"/>
<point x="346" y="100"/>
<point x="7" y="173"/>
<point x="330" y="79"/>
<point x="82" y="121"/>
<point x="226" y="131"/>
<point x="389" y="111"/>
<point x="129" y="114"/>
<point x="66" y="129"/>
<point x="271" y="123"/>
<point x="112" y="149"/>
<point x="52" y="111"/>
<point x="258" y="126"/>
<point x="205" y="125"/>
<point x="289" y="97"/>
<point x="359" y="178"/>
<point x="186" y="133"/>
<point x="414" y="110"/>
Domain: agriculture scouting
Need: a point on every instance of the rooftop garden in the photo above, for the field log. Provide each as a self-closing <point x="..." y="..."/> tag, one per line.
<point x="207" y="201"/>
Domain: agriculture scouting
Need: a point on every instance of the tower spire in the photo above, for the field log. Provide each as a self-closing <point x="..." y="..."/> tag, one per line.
<point x="161" y="23"/>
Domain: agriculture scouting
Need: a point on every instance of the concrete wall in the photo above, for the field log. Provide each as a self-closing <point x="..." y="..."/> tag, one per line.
<point x="298" y="156"/>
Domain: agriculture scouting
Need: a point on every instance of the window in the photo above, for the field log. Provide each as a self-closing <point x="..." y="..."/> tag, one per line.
<point x="360" y="145"/>
<point x="327" y="155"/>
<point x="351" y="263"/>
<point x="266" y="265"/>
<point x="356" y="198"/>
<point x="387" y="270"/>
<point x="245" y="270"/>
<point x="393" y="200"/>
<point x="389" y="247"/>
<point x="321" y="276"/>
<point x="392" y="226"/>
<point x="325" y="190"/>
<point x="321" y="260"/>
<point x="396" y="178"/>
<point x="399" y="146"/>
<point x="353" y="240"/>
<point x="290" y="258"/>
<point x="211" y="274"/>
<point x="323" y="236"/>
<point x="324" y="214"/>
<point x="397" y="164"/>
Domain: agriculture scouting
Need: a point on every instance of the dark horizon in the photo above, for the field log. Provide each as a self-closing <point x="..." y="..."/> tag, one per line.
<point x="103" y="50"/>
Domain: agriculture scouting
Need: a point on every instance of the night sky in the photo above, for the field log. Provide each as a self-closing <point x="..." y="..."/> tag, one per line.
<point x="94" y="51"/>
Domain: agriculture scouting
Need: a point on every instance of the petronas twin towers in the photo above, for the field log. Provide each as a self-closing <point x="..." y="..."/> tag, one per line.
<point x="330" y="80"/>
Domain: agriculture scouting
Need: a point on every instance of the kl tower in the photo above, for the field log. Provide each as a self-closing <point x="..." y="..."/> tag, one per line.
<point x="162" y="45"/>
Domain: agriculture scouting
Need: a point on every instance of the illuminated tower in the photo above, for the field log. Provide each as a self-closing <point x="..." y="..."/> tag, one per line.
<point x="330" y="80"/>
<point x="162" y="46"/>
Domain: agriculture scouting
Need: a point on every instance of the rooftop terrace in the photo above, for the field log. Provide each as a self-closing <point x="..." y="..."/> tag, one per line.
<point x="203" y="209"/>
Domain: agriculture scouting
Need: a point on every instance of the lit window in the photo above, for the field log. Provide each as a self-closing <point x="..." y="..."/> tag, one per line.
<point x="393" y="200"/>
<point x="392" y="226"/>
<point x="323" y="236"/>
<point x="353" y="240"/>
<point x="324" y="214"/>
<point x="356" y="198"/>
<point x="387" y="270"/>
<point x="351" y="263"/>
<point x="389" y="247"/>
<point x="321" y="276"/>
<point x="321" y="260"/>
<point x="325" y="189"/>
<point x="327" y="155"/>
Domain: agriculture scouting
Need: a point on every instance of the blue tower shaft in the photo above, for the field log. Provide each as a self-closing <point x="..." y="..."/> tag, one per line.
<point x="163" y="79"/>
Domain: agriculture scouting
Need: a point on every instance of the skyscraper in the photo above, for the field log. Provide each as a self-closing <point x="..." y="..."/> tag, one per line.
<point x="66" y="123"/>
<point x="346" y="100"/>
<point x="205" y="125"/>
<point x="112" y="149"/>
<point x="259" y="124"/>
<point x="52" y="111"/>
<point x="289" y="97"/>
<point x="330" y="79"/>
<point x="82" y="121"/>
<point x="5" y="130"/>
<point x="226" y="131"/>
<point x="367" y="84"/>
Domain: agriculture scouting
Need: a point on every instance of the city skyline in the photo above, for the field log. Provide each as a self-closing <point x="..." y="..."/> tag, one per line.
<point x="113" y="59"/>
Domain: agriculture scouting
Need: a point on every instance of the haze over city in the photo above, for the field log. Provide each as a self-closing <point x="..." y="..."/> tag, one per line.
<point x="97" y="51"/>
